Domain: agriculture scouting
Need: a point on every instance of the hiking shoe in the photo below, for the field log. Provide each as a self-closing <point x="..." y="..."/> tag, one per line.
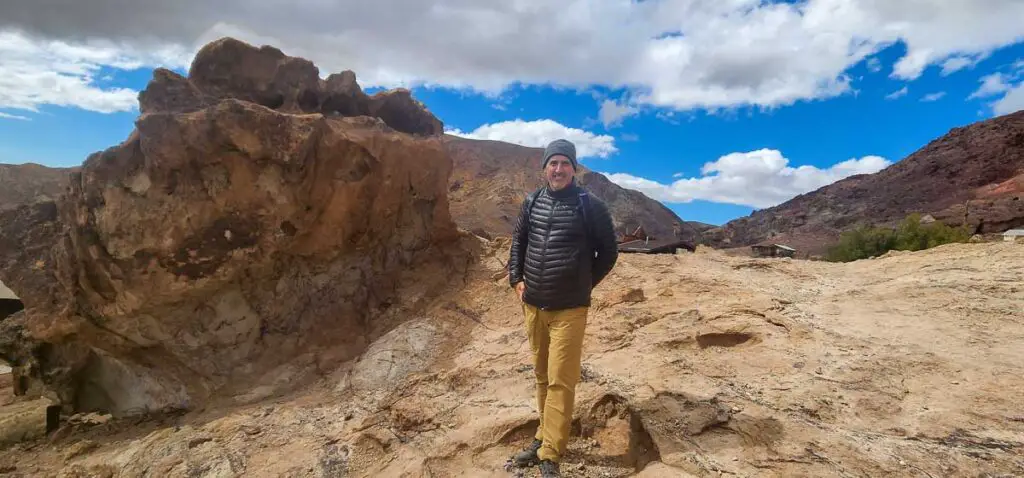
<point x="549" y="469"/>
<point x="527" y="457"/>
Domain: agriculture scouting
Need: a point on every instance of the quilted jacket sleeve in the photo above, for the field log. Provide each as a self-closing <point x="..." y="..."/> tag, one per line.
<point x="604" y="243"/>
<point x="517" y="253"/>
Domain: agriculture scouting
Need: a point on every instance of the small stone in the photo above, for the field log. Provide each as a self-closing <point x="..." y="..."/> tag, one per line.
<point x="634" y="296"/>
<point x="954" y="382"/>
<point x="80" y="448"/>
<point x="199" y="440"/>
<point x="250" y="429"/>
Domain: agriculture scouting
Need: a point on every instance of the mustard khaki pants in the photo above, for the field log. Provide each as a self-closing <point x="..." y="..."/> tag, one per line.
<point x="556" y="340"/>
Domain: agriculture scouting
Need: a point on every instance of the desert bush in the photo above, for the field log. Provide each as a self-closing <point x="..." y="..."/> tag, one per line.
<point x="909" y="235"/>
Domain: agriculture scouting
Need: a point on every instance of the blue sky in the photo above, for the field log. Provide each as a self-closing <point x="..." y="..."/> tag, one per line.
<point x="753" y="113"/>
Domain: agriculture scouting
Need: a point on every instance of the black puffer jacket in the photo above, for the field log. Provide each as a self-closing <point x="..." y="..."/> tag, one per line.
<point x="552" y="253"/>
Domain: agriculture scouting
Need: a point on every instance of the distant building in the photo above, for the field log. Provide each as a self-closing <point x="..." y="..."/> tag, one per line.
<point x="653" y="246"/>
<point x="9" y="302"/>
<point x="1014" y="235"/>
<point x="772" y="250"/>
<point x="6" y="293"/>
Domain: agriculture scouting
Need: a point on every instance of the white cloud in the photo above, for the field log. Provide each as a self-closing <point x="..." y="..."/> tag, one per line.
<point x="14" y="117"/>
<point x="897" y="94"/>
<point x="933" y="96"/>
<point x="730" y="53"/>
<point x="759" y="179"/>
<point x="993" y="84"/>
<point x="1013" y="101"/>
<point x="958" y="63"/>
<point x="874" y="65"/>
<point x="34" y="73"/>
<point x="612" y="112"/>
<point x="1010" y="88"/>
<point x="539" y="133"/>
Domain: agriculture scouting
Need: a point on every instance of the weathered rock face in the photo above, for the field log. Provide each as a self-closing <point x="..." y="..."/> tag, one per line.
<point x="228" y="68"/>
<point x="971" y="175"/>
<point x="223" y="237"/>
<point x="491" y="179"/>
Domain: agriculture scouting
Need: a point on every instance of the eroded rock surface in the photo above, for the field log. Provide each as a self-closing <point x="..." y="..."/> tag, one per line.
<point x="227" y="235"/>
<point x="900" y="366"/>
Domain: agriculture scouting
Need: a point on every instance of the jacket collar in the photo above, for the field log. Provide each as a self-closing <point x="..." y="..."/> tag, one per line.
<point x="570" y="190"/>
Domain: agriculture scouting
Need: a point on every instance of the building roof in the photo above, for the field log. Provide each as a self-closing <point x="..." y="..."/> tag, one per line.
<point x="780" y="246"/>
<point x="1014" y="232"/>
<point x="6" y="293"/>
<point x="656" y="245"/>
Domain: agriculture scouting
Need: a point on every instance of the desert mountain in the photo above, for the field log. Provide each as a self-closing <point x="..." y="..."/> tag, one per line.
<point x="490" y="179"/>
<point x="973" y="175"/>
<point x="24" y="183"/>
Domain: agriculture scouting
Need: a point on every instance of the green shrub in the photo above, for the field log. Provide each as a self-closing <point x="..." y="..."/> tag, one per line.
<point x="910" y="235"/>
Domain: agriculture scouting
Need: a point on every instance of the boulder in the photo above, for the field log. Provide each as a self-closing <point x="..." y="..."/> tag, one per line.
<point x="231" y="232"/>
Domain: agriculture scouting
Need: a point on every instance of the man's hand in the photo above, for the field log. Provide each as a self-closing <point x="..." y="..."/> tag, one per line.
<point x="521" y="288"/>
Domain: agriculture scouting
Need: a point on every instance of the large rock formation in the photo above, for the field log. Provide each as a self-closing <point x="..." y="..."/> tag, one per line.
<point x="228" y="68"/>
<point x="255" y="214"/>
<point x="973" y="175"/>
<point x="491" y="179"/>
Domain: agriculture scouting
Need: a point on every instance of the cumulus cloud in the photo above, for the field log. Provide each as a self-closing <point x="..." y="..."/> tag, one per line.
<point x="680" y="54"/>
<point x="52" y="72"/>
<point x="612" y="113"/>
<point x="1009" y="87"/>
<point x="958" y="63"/>
<point x="760" y="179"/>
<point x="1012" y="102"/>
<point x="933" y="96"/>
<point x="539" y="133"/>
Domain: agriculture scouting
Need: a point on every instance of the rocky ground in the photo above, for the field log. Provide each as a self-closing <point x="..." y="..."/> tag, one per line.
<point x="695" y="365"/>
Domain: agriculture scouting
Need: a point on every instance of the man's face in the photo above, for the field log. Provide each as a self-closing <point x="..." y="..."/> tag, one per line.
<point x="559" y="172"/>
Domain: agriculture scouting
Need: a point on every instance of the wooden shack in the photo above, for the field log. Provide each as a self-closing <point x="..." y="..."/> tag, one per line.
<point x="772" y="250"/>
<point x="656" y="246"/>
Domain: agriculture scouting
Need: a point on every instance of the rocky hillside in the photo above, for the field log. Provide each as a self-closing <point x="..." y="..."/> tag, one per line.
<point x="231" y="232"/>
<point x="491" y="178"/>
<point x="973" y="175"/>
<point x="694" y="365"/>
<point x="22" y="183"/>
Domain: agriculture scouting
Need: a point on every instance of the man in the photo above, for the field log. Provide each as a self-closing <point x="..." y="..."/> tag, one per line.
<point x="563" y="245"/>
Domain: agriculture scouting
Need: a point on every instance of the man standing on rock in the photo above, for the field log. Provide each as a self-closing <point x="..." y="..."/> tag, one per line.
<point x="563" y="245"/>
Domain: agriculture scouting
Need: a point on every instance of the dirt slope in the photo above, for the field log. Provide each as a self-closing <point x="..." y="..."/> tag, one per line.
<point x="695" y="365"/>
<point x="24" y="183"/>
<point x="972" y="175"/>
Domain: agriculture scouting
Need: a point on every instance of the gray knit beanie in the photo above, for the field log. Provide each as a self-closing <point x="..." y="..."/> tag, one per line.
<point x="563" y="147"/>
